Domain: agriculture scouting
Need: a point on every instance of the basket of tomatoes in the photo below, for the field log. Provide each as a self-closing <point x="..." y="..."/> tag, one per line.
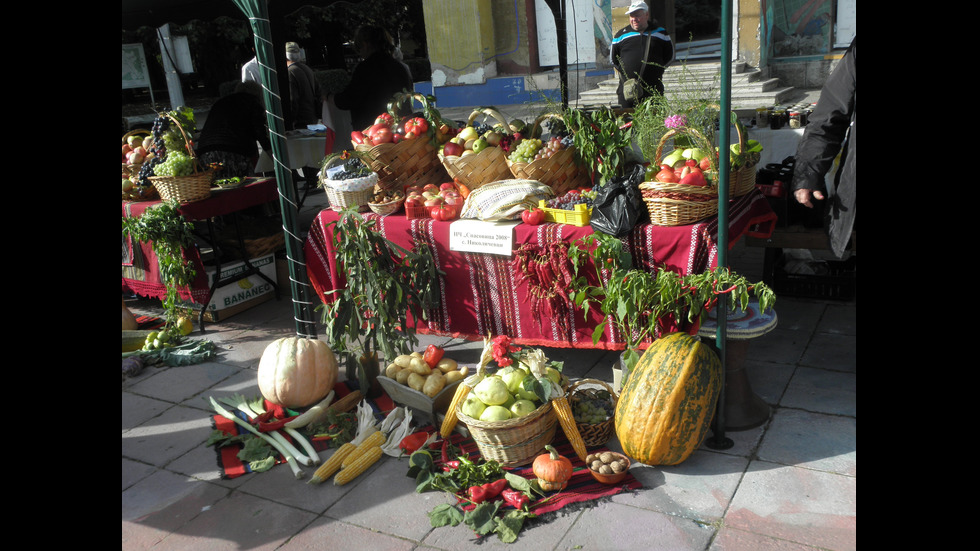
<point x="401" y="149"/>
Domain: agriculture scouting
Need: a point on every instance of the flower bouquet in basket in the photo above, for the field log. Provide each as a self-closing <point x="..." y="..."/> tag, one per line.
<point x="511" y="413"/>
<point x="401" y="144"/>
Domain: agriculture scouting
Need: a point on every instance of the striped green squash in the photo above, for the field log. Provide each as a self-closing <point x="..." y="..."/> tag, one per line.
<point x="666" y="406"/>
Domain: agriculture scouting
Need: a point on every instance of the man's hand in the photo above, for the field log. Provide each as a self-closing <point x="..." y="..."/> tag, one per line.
<point x="803" y="196"/>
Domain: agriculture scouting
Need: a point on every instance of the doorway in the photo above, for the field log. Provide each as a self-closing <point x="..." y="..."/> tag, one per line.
<point x="697" y="30"/>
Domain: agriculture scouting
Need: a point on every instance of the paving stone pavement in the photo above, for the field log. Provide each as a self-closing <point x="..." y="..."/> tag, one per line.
<point x="787" y="485"/>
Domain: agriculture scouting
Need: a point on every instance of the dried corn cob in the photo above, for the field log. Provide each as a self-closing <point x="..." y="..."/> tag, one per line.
<point x="564" y="412"/>
<point x="377" y="438"/>
<point x="332" y="465"/>
<point x="364" y="460"/>
<point x="348" y="402"/>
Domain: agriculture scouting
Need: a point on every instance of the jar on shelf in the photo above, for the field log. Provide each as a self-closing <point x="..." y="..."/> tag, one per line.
<point x="794" y="119"/>
<point x="777" y="119"/>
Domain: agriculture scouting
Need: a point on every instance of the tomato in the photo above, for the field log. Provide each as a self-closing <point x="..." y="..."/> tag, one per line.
<point x="384" y="118"/>
<point x="691" y="163"/>
<point x="694" y="178"/>
<point x="533" y="216"/>
<point x="432" y="355"/>
<point x="666" y="175"/>
<point x="382" y="135"/>
<point x="442" y="212"/>
<point x="375" y="128"/>
<point x="357" y="137"/>
<point x="418" y="125"/>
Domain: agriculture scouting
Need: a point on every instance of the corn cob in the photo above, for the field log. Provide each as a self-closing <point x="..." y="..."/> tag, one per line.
<point x="449" y="422"/>
<point x="564" y="412"/>
<point x="364" y="460"/>
<point x="377" y="438"/>
<point x="332" y="465"/>
<point x="348" y="402"/>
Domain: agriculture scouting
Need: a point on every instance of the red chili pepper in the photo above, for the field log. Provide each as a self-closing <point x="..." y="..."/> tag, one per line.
<point x="515" y="498"/>
<point x="493" y="489"/>
<point x="267" y="426"/>
<point x="413" y="442"/>
<point x="476" y="494"/>
<point x="450" y="466"/>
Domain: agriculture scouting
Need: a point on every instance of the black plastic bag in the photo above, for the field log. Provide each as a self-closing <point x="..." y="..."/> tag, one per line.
<point x="618" y="205"/>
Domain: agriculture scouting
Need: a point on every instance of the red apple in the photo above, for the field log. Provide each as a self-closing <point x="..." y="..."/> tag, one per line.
<point x="452" y="149"/>
<point x="434" y="201"/>
<point x="413" y="189"/>
<point x="431" y="187"/>
<point x="447" y="186"/>
<point x="414" y="200"/>
<point x="694" y="179"/>
<point x="705" y="163"/>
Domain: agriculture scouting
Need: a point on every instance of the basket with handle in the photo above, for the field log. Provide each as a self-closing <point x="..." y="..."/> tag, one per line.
<point x="132" y="171"/>
<point x="561" y="172"/>
<point x="594" y="434"/>
<point x="475" y="169"/>
<point x="185" y="189"/>
<point x="348" y="192"/>
<point x="674" y="204"/>
<point x="407" y="162"/>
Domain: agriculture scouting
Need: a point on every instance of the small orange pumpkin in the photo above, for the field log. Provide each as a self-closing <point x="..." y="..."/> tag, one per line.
<point x="296" y="372"/>
<point x="553" y="470"/>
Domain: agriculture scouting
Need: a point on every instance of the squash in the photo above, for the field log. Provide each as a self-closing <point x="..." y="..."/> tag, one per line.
<point x="666" y="406"/>
<point x="553" y="470"/>
<point x="296" y="372"/>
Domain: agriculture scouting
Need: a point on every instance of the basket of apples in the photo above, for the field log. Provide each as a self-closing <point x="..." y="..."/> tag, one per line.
<point x="682" y="191"/>
<point x="475" y="157"/>
<point x="400" y="149"/>
<point x="439" y="202"/>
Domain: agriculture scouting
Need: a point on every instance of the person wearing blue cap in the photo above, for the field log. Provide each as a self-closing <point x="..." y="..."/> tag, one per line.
<point x="640" y="53"/>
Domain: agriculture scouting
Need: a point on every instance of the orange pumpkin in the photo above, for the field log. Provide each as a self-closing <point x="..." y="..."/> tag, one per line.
<point x="553" y="470"/>
<point x="296" y="372"/>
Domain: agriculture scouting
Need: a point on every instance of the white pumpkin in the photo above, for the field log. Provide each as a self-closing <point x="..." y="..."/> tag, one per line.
<point x="296" y="372"/>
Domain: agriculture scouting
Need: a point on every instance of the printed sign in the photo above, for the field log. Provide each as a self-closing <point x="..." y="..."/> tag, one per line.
<point x="478" y="236"/>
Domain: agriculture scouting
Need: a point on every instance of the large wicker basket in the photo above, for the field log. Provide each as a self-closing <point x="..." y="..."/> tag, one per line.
<point x="597" y="434"/>
<point x="185" y="189"/>
<point x="405" y="163"/>
<point x="513" y="442"/>
<point x="561" y="172"/>
<point x="476" y="169"/>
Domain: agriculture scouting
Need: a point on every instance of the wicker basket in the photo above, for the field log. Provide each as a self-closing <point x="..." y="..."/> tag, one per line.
<point x="742" y="180"/>
<point x="561" y="172"/>
<point x="128" y="170"/>
<point x="593" y="434"/>
<point x="404" y="163"/>
<point x="673" y="204"/>
<point x="359" y="196"/>
<point x="513" y="442"/>
<point x="476" y="169"/>
<point x="384" y="209"/>
<point x="185" y="189"/>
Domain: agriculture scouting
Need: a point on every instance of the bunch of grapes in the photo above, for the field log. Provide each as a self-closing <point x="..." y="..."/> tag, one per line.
<point x="353" y="168"/>
<point x="176" y="164"/>
<point x="572" y="198"/>
<point x="592" y="410"/>
<point x="525" y="150"/>
<point x="554" y="145"/>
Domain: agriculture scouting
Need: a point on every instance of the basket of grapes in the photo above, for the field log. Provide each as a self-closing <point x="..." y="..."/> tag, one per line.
<point x="178" y="176"/>
<point x="476" y="155"/>
<point x="593" y="405"/>
<point x="552" y="162"/>
<point x="347" y="181"/>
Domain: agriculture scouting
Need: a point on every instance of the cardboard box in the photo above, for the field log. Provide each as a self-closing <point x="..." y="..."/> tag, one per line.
<point x="242" y="294"/>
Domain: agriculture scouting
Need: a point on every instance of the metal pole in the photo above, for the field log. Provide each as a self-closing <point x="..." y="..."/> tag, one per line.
<point x="719" y="441"/>
<point x="258" y="16"/>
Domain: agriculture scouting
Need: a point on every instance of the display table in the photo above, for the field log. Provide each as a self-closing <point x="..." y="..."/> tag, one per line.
<point x="485" y="293"/>
<point x="140" y="271"/>
<point x="303" y="150"/>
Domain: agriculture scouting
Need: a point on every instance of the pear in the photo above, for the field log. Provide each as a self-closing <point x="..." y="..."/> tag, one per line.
<point x="674" y="157"/>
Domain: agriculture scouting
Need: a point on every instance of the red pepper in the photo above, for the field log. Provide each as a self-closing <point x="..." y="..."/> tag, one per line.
<point x="476" y="494"/>
<point x="533" y="216"/>
<point x="493" y="489"/>
<point x="432" y="355"/>
<point x="515" y="498"/>
<point x="450" y="466"/>
<point x="413" y="442"/>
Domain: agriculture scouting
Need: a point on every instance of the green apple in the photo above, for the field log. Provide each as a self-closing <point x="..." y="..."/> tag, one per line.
<point x="553" y="374"/>
<point x="468" y="133"/>
<point x="492" y="391"/>
<point x="495" y="413"/>
<point x="512" y="376"/>
<point x="472" y="407"/>
<point x="521" y="408"/>
<point x="510" y="401"/>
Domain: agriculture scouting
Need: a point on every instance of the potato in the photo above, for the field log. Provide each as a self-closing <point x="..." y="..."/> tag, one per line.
<point x="392" y="370"/>
<point x="419" y="366"/>
<point x="416" y="381"/>
<point x="433" y="384"/>
<point x="416" y="355"/>
<point x="453" y="376"/>
<point x="402" y="376"/>
<point x="446" y="365"/>
<point x="403" y="361"/>
<point x="464" y="369"/>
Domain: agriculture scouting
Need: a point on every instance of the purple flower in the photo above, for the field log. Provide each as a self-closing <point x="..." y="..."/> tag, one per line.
<point x="675" y="121"/>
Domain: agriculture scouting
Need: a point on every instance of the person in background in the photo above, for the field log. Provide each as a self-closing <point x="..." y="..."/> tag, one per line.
<point x="233" y="126"/>
<point x="377" y="78"/>
<point x="832" y="130"/>
<point x="305" y="97"/>
<point x="628" y="52"/>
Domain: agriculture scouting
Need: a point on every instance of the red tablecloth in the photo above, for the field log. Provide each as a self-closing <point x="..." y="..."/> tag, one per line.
<point x="484" y="293"/>
<point x="140" y="272"/>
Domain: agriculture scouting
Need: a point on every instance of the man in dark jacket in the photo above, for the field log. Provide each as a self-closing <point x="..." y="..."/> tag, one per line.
<point x="375" y="80"/>
<point x="629" y="54"/>
<point x="305" y="97"/>
<point x="234" y="124"/>
<point x="832" y="129"/>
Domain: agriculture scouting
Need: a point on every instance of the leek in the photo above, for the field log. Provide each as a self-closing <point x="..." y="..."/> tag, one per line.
<point x="258" y="406"/>
<point x="290" y="459"/>
<point x="238" y="401"/>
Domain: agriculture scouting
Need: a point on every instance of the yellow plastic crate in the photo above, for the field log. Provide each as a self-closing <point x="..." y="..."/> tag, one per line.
<point x="581" y="216"/>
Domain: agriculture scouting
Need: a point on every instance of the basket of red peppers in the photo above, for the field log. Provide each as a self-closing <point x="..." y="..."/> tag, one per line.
<point x="400" y="147"/>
